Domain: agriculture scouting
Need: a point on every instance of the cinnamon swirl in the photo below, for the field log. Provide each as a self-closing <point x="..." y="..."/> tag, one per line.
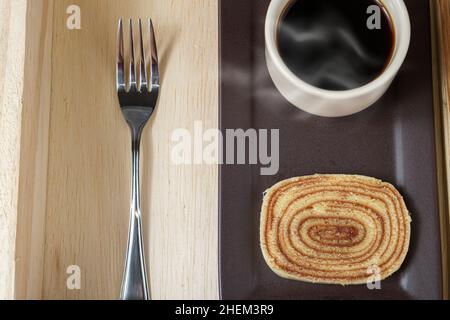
<point x="334" y="228"/>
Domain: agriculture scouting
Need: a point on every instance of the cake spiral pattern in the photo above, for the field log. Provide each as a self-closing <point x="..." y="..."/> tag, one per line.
<point x="334" y="229"/>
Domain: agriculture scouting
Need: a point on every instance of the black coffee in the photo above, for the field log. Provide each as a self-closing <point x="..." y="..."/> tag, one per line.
<point x="328" y="44"/>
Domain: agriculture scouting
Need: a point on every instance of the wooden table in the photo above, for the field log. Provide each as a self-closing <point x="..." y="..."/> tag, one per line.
<point x="60" y="124"/>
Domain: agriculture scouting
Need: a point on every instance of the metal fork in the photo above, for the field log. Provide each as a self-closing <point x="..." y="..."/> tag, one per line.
<point x="137" y="103"/>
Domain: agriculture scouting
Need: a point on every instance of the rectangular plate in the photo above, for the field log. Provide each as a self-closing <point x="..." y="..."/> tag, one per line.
<point x="394" y="140"/>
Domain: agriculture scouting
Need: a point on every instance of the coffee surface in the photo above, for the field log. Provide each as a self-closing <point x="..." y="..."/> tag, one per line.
<point x="328" y="43"/>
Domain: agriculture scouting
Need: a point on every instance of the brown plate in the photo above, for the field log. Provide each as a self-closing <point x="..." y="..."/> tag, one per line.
<point x="392" y="140"/>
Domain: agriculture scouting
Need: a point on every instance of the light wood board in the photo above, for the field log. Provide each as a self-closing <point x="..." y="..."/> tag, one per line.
<point x="73" y="198"/>
<point x="84" y="210"/>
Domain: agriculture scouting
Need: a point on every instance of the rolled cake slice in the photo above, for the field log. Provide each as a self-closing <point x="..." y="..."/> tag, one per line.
<point x="335" y="229"/>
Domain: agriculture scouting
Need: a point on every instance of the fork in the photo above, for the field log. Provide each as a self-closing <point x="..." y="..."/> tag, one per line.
<point x="137" y="102"/>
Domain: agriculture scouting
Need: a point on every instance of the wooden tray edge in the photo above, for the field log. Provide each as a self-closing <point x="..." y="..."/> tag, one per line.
<point x="442" y="112"/>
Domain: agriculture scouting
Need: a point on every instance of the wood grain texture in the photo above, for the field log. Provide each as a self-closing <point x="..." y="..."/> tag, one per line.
<point x="445" y="50"/>
<point x="445" y="22"/>
<point x="75" y="173"/>
<point x="31" y="208"/>
<point x="89" y="154"/>
<point x="74" y="160"/>
<point x="443" y="91"/>
<point x="12" y="46"/>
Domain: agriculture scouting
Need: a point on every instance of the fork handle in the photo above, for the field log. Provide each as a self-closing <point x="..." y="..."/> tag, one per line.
<point x="134" y="283"/>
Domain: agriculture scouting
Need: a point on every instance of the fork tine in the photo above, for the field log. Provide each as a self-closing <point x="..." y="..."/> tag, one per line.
<point x="133" y="86"/>
<point x="120" y="75"/>
<point x="143" y="64"/>
<point x="154" y="58"/>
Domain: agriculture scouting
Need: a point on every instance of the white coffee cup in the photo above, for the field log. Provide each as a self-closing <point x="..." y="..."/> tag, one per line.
<point x="329" y="103"/>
